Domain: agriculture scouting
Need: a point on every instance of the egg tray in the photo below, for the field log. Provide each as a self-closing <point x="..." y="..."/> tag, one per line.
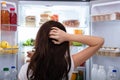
<point x="112" y="54"/>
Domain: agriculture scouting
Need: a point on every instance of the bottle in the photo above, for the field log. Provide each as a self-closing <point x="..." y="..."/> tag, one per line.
<point x="5" y="17"/>
<point x="110" y="68"/>
<point x="101" y="75"/>
<point x="79" y="77"/>
<point x="94" y="72"/>
<point x="1" y="75"/>
<point x="13" y="19"/>
<point x="74" y="75"/>
<point x="13" y="73"/>
<point x="6" y="74"/>
<point x="113" y="75"/>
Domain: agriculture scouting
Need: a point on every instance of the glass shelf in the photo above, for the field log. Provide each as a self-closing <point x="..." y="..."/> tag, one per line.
<point x="109" y="51"/>
<point x="80" y="68"/>
<point x="8" y="50"/>
<point x="111" y="54"/>
<point x="9" y="25"/>
<point x="106" y="21"/>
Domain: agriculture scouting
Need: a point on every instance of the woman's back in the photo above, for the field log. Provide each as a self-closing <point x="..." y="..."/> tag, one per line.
<point x="51" y="59"/>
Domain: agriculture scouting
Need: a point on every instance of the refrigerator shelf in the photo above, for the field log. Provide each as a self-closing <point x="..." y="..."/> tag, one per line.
<point x="106" y="17"/>
<point x="112" y="54"/>
<point x="80" y="68"/>
<point x="109" y="51"/>
<point x="9" y="25"/>
<point x="8" y="50"/>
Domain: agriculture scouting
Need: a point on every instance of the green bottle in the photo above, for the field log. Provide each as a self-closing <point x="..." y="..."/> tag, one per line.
<point x="79" y="76"/>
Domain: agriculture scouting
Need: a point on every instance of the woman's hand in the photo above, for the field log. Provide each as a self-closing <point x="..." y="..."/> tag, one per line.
<point x="58" y="35"/>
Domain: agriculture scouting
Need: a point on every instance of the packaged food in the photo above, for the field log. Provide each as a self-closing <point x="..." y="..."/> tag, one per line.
<point x="30" y="21"/>
<point x="71" y="23"/>
<point x="54" y="17"/>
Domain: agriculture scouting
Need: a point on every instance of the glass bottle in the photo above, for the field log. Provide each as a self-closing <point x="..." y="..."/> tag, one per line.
<point x="79" y="76"/>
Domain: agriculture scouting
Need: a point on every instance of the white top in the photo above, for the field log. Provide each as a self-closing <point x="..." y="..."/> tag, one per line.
<point x="23" y="71"/>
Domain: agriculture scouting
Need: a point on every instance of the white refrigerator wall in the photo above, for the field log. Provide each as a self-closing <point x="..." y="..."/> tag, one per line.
<point x="109" y="30"/>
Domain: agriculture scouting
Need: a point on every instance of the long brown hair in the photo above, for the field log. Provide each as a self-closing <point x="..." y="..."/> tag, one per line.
<point x="50" y="61"/>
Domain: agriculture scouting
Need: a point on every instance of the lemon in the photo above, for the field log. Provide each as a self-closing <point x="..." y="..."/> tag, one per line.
<point x="4" y="44"/>
<point x="15" y="49"/>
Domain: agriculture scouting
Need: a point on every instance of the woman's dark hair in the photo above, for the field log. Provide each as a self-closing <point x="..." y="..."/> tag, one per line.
<point x="50" y="61"/>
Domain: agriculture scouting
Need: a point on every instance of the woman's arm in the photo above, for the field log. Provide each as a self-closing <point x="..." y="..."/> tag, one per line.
<point x="94" y="43"/>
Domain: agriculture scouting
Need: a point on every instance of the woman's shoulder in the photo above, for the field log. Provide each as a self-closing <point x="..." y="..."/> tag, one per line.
<point x="24" y="67"/>
<point x="23" y="71"/>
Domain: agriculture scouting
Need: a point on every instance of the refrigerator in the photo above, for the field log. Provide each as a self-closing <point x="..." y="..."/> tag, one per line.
<point x="95" y="17"/>
<point x="74" y="15"/>
<point x="105" y="23"/>
<point x="8" y="40"/>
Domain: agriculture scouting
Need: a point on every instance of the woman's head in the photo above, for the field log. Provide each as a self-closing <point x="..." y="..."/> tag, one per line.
<point x="49" y="61"/>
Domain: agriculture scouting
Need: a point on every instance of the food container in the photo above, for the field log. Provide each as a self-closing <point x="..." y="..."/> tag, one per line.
<point x="30" y="21"/>
<point x="71" y="23"/>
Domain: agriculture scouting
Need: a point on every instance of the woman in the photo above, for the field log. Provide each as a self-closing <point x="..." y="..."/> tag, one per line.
<point x="51" y="59"/>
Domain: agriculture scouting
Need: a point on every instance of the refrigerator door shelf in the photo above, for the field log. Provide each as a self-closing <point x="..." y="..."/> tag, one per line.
<point x="80" y="68"/>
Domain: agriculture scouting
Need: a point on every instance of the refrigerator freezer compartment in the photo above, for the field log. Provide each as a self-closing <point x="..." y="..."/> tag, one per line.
<point x="106" y="17"/>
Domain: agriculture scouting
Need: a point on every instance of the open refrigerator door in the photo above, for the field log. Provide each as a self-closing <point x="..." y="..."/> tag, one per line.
<point x="105" y="23"/>
<point x="32" y="14"/>
<point x="8" y="38"/>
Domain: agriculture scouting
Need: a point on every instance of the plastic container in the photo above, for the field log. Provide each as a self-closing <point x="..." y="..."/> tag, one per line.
<point x="13" y="19"/>
<point x="94" y="72"/>
<point x="13" y="73"/>
<point x="5" y="17"/>
<point x="6" y="74"/>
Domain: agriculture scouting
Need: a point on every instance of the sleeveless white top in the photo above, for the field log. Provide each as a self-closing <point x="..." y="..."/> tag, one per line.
<point x="23" y="71"/>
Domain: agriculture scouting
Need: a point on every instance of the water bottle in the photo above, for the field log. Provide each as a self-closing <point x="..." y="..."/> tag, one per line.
<point x="6" y="74"/>
<point x="94" y="72"/>
<point x="101" y="75"/>
<point x="113" y="75"/>
<point x="110" y="68"/>
<point x="13" y="73"/>
<point x="1" y="75"/>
